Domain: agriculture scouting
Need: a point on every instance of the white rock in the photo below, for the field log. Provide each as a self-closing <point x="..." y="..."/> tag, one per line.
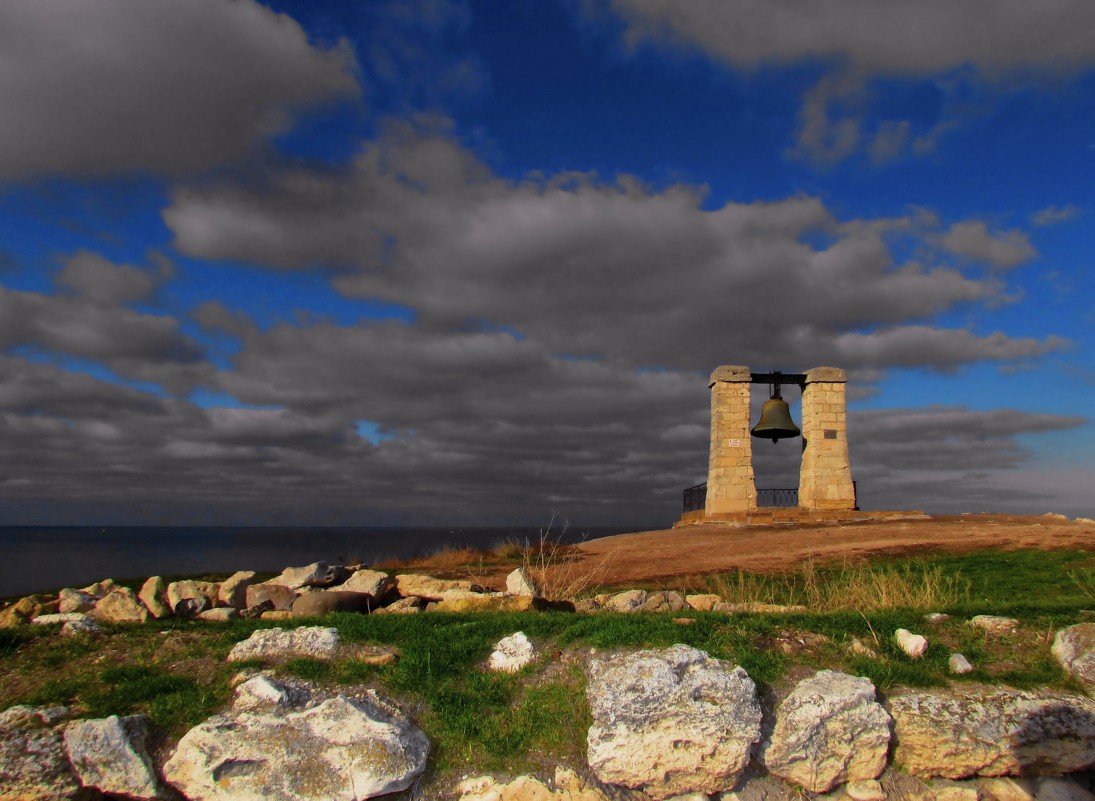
<point x="511" y="653"/>
<point x="85" y="626"/>
<point x="70" y="600"/>
<point x="222" y="614"/>
<point x="33" y="765"/>
<point x="670" y="721"/>
<point x="317" y="574"/>
<point x="829" y="730"/>
<point x="866" y="790"/>
<point x="994" y="624"/>
<point x="954" y="792"/>
<point x="346" y="749"/>
<point x="120" y="605"/>
<point x="153" y="595"/>
<point x="111" y="755"/>
<point x="519" y="582"/>
<point x="59" y="617"/>
<point x="1074" y="649"/>
<point x="233" y="590"/>
<point x="912" y="644"/>
<point x="936" y="617"/>
<point x="314" y="641"/>
<point x="373" y="582"/>
<point x="263" y="692"/>
<point x="1061" y="788"/>
<point x="958" y="734"/>
<point x="959" y="665"/>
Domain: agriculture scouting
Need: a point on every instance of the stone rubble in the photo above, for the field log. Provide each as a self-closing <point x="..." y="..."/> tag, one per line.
<point x="111" y="755"/>
<point x="33" y="763"/>
<point x="1074" y="649"/>
<point x="317" y="642"/>
<point x="511" y="653"/>
<point x="519" y="582"/>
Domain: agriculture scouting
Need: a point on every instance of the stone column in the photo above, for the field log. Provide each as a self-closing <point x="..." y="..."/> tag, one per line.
<point x="730" y="485"/>
<point x="825" y="478"/>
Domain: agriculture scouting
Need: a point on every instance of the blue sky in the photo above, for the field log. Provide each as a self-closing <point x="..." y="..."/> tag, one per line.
<point x="448" y="262"/>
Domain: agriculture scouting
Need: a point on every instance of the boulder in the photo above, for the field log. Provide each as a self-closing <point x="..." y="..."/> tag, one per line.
<point x="276" y="614"/>
<point x="233" y="590"/>
<point x="404" y="606"/>
<point x="70" y="600"/>
<point x="99" y="588"/>
<point x="985" y="732"/>
<point x="828" y="731"/>
<point x="959" y="665"/>
<point x="222" y="614"/>
<point x="279" y="595"/>
<point x="370" y="582"/>
<point x="266" y="693"/>
<point x="199" y="591"/>
<point x="153" y="595"/>
<point x="702" y="603"/>
<point x="519" y="582"/>
<point x="566" y="787"/>
<point x="84" y="626"/>
<point x="476" y="602"/>
<point x="26" y="609"/>
<point x="120" y="605"/>
<point x="627" y="601"/>
<point x="314" y="641"/>
<point x="511" y="653"/>
<point x="671" y="721"/>
<point x="912" y="644"/>
<point x="59" y="617"/>
<point x="994" y="624"/>
<point x="110" y="754"/>
<point x="317" y="574"/>
<point x="326" y="601"/>
<point x="663" y="601"/>
<point x="1074" y="648"/>
<point x="33" y="765"/>
<point x="433" y="589"/>
<point x="865" y="790"/>
<point x="344" y="748"/>
<point x="1062" y="788"/>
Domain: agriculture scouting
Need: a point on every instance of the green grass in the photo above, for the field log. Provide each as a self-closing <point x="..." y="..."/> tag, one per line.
<point x="175" y="671"/>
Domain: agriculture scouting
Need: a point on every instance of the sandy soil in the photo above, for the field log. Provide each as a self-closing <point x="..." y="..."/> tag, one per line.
<point x="654" y="555"/>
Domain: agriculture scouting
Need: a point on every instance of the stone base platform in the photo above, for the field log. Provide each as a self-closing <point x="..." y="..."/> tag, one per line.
<point x="778" y="516"/>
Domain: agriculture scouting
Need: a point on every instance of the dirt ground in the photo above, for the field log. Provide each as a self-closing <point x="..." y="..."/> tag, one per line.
<point x="656" y="555"/>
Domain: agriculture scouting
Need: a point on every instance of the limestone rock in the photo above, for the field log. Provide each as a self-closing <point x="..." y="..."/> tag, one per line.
<point x="326" y="601"/>
<point x="758" y="608"/>
<point x="222" y="614"/>
<point x="370" y="582"/>
<point x="519" y="582"/>
<point x="110" y="754"/>
<point x="627" y="601"/>
<point x="829" y="730"/>
<point x="1074" y="648"/>
<point x="84" y="626"/>
<point x="566" y="787"/>
<point x="317" y="574"/>
<point x="179" y="591"/>
<point x="59" y="617"/>
<point x="511" y="653"/>
<point x="857" y="646"/>
<point x="954" y="792"/>
<point x="1062" y="788"/>
<point x="937" y="617"/>
<point x="279" y="595"/>
<point x="404" y="606"/>
<point x="671" y="721"/>
<point x="912" y="644"/>
<point x="702" y="603"/>
<point x="99" y="588"/>
<point x="433" y="589"/>
<point x="33" y="765"/>
<point x="314" y="641"/>
<point x="120" y="605"/>
<point x="994" y="624"/>
<point x="663" y="601"/>
<point x="266" y="693"/>
<point x="276" y="614"/>
<point x="233" y="590"/>
<point x="866" y="790"/>
<point x="26" y="609"/>
<point x="959" y="665"/>
<point x="1008" y="789"/>
<point x="343" y="748"/>
<point x="476" y="602"/>
<point x="70" y="600"/>
<point x="153" y="595"/>
<point x="982" y="732"/>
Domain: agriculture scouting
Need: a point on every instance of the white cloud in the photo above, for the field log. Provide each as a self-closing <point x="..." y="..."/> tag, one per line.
<point x="1003" y="249"/>
<point x="1052" y="215"/>
<point x="94" y="88"/>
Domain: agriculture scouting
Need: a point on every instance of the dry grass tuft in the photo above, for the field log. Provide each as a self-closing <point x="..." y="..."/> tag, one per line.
<point x="561" y="570"/>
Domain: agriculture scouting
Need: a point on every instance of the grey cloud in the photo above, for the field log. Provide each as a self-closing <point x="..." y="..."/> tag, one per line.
<point x="91" y="276"/>
<point x="153" y="85"/>
<point x="1004" y="249"/>
<point x="858" y="40"/>
<point x="642" y="277"/>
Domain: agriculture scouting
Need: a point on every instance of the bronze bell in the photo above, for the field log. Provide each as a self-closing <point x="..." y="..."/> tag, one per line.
<point x="775" y="419"/>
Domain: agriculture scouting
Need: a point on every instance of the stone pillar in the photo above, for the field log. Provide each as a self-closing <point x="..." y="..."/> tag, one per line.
<point x="825" y="478"/>
<point x="730" y="485"/>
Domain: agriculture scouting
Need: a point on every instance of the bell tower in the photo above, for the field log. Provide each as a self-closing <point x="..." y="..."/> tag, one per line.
<point x="825" y="475"/>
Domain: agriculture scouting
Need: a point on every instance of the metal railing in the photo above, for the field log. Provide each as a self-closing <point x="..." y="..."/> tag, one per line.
<point x="695" y="498"/>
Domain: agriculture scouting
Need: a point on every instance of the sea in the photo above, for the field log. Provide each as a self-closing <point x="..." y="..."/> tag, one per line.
<point x="42" y="558"/>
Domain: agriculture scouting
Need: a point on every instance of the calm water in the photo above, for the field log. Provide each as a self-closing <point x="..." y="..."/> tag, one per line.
<point x="36" y="558"/>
